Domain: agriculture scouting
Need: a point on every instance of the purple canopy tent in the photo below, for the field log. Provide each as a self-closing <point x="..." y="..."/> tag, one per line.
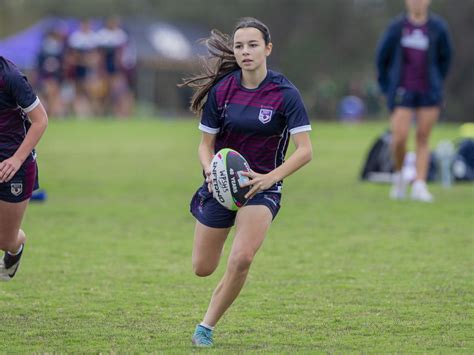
<point x="156" y="46"/>
<point x="22" y="48"/>
<point x="153" y="39"/>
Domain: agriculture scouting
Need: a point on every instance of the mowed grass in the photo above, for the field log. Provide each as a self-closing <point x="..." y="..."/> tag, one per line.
<point x="107" y="267"/>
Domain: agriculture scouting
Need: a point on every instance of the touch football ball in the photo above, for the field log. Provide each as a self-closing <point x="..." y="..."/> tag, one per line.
<point x="226" y="173"/>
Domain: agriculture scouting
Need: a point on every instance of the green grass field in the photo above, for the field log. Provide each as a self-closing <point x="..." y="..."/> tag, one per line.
<point x="107" y="267"/>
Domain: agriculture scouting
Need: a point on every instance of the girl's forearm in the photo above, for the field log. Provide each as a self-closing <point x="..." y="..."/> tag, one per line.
<point x="300" y="157"/>
<point x="31" y="140"/>
<point x="205" y="156"/>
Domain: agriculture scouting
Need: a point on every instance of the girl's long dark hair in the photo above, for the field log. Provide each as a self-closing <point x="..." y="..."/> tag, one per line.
<point x="220" y="61"/>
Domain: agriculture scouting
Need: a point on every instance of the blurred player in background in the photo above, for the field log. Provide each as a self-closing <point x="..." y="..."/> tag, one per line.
<point x="51" y="70"/>
<point x="23" y="121"/>
<point x="112" y="40"/>
<point x="413" y="59"/>
<point x="89" y="75"/>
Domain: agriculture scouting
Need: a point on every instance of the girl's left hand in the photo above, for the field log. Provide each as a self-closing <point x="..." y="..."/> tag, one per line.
<point x="258" y="182"/>
<point x="8" y="168"/>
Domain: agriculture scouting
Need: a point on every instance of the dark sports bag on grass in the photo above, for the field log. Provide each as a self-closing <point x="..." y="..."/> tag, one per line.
<point x="378" y="166"/>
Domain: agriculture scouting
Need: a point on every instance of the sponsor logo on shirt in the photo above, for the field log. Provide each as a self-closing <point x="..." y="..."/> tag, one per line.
<point x="415" y="40"/>
<point x="265" y="115"/>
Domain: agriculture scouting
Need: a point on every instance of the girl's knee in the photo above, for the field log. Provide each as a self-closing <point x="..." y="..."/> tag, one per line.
<point x="203" y="269"/>
<point x="240" y="262"/>
<point x="422" y="137"/>
<point x="399" y="141"/>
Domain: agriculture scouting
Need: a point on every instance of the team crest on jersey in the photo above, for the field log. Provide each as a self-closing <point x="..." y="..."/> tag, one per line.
<point x="265" y="115"/>
<point x="16" y="188"/>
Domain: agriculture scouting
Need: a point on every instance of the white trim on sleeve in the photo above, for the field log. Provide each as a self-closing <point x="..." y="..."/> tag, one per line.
<point x="32" y="106"/>
<point x="209" y="130"/>
<point x="300" y="129"/>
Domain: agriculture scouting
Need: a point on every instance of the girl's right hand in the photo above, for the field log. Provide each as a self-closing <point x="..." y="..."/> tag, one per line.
<point x="8" y="168"/>
<point x="208" y="179"/>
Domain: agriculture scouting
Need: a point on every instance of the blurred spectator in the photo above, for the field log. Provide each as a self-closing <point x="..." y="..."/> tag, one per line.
<point x="112" y="41"/>
<point x="89" y="76"/>
<point x="88" y="73"/>
<point x="51" y="70"/>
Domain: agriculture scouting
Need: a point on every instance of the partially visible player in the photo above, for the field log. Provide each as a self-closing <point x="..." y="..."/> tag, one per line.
<point x="413" y="60"/>
<point x="23" y="121"/>
<point x="256" y="111"/>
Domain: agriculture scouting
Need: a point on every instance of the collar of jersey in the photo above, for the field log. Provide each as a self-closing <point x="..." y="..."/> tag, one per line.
<point x="264" y="81"/>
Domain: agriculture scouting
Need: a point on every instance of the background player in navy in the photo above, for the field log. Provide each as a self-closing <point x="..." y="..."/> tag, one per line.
<point x="19" y="134"/>
<point x="413" y="59"/>
<point x="254" y="111"/>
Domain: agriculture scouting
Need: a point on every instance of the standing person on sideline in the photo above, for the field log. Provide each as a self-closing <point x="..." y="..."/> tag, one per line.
<point x="19" y="134"/>
<point x="254" y="111"/>
<point x="413" y="59"/>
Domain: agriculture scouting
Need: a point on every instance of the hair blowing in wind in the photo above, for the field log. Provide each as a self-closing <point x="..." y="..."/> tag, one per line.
<point x="220" y="61"/>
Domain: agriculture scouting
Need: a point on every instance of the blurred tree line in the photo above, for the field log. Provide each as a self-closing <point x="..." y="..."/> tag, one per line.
<point x="326" y="47"/>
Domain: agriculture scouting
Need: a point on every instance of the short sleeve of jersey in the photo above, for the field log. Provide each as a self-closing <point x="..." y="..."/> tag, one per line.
<point x="295" y="112"/>
<point x="21" y="90"/>
<point x="210" y="122"/>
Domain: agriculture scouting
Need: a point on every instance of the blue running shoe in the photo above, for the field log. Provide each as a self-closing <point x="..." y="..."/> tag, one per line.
<point x="202" y="337"/>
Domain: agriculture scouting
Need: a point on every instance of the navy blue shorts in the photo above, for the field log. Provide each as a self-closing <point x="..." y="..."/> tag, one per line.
<point x="416" y="99"/>
<point x="22" y="185"/>
<point x="211" y="213"/>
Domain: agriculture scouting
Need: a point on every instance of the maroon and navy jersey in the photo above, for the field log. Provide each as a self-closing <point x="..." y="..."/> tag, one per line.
<point x="415" y="43"/>
<point x="255" y="122"/>
<point x="17" y="98"/>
